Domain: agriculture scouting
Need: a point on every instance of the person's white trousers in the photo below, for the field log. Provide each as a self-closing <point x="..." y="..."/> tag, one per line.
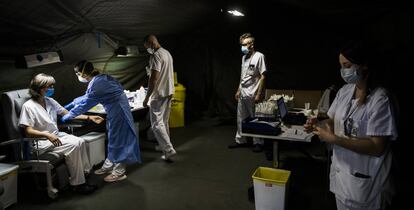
<point x="245" y="108"/>
<point x="76" y="158"/>
<point x="160" y="108"/>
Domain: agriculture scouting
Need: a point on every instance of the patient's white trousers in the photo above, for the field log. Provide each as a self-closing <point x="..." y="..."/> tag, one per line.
<point x="76" y="157"/>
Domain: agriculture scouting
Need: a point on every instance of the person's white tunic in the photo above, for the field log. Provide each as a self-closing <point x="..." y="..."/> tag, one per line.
<point x="251" y="70"/>
<point x="74" y="148"/>
<point x="360" y="180"/>
<point x="160" y="104"/>
<point x="162" y="62"/>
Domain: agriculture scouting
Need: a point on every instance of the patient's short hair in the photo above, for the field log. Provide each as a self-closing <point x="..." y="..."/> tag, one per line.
<point x="38" y="82"/>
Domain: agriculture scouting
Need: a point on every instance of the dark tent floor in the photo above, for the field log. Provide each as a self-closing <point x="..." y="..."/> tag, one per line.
<point x="204" y="175"/>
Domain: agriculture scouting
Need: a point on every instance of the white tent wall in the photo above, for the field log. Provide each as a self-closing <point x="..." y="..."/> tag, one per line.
<point x="129" y="71"/>
<point x="98" y="49"/>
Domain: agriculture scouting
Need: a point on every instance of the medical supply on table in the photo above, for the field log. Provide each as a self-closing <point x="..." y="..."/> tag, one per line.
<point x="288" y="99"/>
<point x="265" y="109"/>
<point x="136" y="98"/>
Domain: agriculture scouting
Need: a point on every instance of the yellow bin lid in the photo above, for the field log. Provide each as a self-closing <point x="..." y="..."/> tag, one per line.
<point x="272" y="175"/>
<point x="179" y="87"/>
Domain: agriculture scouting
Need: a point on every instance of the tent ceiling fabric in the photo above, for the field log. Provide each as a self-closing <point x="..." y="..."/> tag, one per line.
<point x="42" y="22"/>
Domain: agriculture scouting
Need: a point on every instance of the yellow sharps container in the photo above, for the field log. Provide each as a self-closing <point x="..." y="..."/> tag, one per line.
<point x="177" y="105"/>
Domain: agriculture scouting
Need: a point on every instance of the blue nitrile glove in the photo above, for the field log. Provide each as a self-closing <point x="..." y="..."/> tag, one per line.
<point x="69" y="106"/>
<point x="65" y="118"/>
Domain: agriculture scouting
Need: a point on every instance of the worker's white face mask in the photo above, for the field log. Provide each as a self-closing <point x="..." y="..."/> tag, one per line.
<point x="81" y="79"/>
<point x="244" y="50"/>
<point x="150" y="50"/>
<point x="350" y="74"/>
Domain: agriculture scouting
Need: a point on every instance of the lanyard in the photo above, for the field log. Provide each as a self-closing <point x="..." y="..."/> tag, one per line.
<point x="348" y="121"/>
<point x="251" y="58"/>
<point x="350" y="111"/>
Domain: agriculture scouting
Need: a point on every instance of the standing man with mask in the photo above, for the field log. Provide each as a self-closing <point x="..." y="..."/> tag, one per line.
<point x="160" y="91"/>
<point x="252" y="78"/>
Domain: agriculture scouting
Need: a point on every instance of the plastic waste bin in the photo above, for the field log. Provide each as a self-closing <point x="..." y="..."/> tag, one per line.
<point x="270" y="188"/>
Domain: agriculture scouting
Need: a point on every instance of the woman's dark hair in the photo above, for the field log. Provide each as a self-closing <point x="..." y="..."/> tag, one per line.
<point x="86" y="67"/>
<point x="38" y="82"/>
<point x="356" y="52"/>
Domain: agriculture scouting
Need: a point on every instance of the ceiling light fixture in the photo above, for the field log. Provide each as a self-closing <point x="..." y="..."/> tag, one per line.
<point x="39" y="59"/>
<point x="235" y="13"/>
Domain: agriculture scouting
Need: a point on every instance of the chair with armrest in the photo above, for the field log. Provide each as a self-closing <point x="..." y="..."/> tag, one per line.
<point x="23" y="150"/>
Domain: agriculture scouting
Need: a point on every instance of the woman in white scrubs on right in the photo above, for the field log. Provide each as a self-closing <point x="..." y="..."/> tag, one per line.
<point x="360" y="127"/>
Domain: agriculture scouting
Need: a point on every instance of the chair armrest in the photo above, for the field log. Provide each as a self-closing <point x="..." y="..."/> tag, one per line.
<point x="69" y="125"/>
<point x="74" y="123"/>
<point x="20" y="140"/>
<point x="23" y="151"/>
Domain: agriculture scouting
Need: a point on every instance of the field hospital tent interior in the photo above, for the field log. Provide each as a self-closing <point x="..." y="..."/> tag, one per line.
<point x="300" y="40"/>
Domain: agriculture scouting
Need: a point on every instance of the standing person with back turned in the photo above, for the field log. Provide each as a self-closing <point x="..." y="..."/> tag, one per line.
<point x="123" y="145"/>
<point x="159" y="95"/>
<point x="250" y="91"/>
<point x="360" y="127"/>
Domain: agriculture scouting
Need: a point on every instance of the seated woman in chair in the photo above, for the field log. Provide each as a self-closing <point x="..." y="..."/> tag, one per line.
<point x="39" y="119"/>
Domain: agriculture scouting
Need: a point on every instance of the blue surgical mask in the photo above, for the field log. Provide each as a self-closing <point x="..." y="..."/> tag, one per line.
<point x="244" y="50"/>
<point x="350" y="74"/>
<point x="50" y="92"/>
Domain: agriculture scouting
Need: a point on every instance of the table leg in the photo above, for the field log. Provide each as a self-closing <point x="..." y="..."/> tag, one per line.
<point x="275" y="154"/>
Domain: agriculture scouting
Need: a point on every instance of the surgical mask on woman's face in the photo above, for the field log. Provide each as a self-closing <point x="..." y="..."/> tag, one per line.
<point x="50" y="92"/>
<point x="81" y="79"/>
<point x="244" y="50"/>
<point x="350" y="74"/>
<point x="150" y="50"/>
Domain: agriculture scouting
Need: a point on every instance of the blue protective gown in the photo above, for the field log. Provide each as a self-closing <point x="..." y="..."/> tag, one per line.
<point x="122" y="140"/>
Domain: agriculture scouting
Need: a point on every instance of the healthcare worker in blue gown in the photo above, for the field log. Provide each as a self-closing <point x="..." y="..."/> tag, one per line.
<point x="123" y="145"/>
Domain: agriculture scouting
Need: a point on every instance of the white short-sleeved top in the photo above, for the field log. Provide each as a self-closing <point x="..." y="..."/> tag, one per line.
<point x="34" y="115"/>
<point x="374" y="118"/>
<point x="162" y="62"/>
<point x="251" y="70"/>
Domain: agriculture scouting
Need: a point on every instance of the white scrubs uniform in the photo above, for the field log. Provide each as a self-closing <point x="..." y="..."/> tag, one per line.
<point x="160" y="103"/>
<point x="74" y="148"/>
<point x="361" y="181"/>
<point x="251" y="71"/>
